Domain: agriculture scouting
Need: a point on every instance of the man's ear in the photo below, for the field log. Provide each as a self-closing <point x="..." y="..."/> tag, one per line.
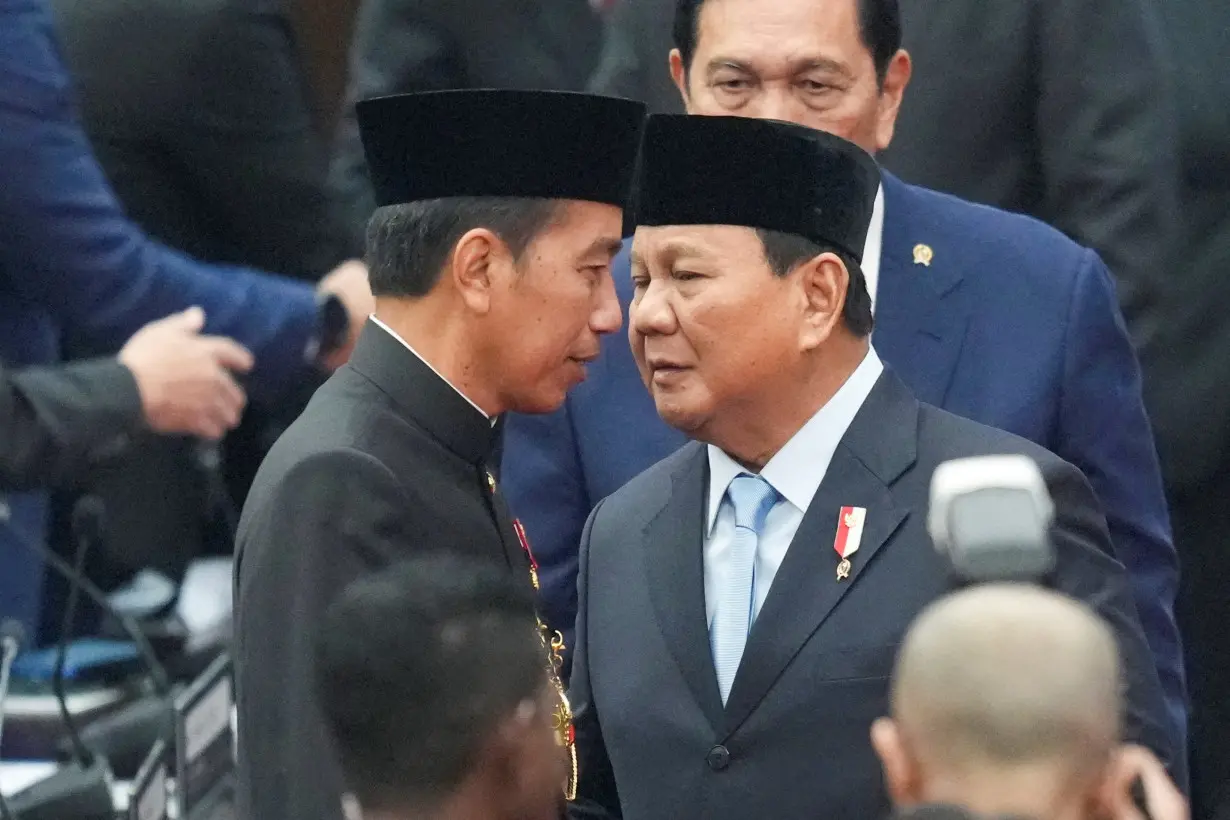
<point x="902" y="778"/>
<point x="474" y="267"/>
<point x="892" y="92"/>
<point x="825" y="284"/>
<point x="679" y="74"/>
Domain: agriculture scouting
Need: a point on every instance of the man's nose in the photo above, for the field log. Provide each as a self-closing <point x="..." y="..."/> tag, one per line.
<point x="651" y="314"/>
<point x="607" y="316"/>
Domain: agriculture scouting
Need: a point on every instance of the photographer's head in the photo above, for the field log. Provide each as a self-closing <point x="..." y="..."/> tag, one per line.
<point x="1006" y="701"/>
<point x="431" y="679"/>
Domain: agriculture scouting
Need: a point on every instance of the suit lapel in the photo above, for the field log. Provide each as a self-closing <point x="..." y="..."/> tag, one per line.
<point x="675" y="566"/>
<point x="919" y="329"/>
<point x="878" y="447"/>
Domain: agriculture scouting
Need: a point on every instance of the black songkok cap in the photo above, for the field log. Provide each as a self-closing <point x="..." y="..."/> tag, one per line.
<point x="481" y="143"/>
<point x="757" y="173"/>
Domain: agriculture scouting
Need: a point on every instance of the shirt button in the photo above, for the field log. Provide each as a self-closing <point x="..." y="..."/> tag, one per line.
<point x="718" y="758"/>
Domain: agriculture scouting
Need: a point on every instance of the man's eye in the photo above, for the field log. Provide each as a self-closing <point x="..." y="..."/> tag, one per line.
<point x="732" y="85"/>
<point x="686" y="275"/>
<point x="815" y="86"/>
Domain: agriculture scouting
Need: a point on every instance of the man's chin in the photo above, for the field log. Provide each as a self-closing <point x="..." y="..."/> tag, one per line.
<point x="683" y="416"/>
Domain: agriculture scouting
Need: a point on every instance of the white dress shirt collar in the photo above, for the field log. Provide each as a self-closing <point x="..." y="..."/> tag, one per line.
<point x="406" y="344"/>
<point x="797" y="469"/>
<point x="873" y="247"/>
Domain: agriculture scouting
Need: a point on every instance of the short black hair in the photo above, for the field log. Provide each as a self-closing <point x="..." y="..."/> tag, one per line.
<point x="407" y="245"/>
<point x="879" y="25"/>
<point x="786" y="251"/>
<point x="416" y="666"/>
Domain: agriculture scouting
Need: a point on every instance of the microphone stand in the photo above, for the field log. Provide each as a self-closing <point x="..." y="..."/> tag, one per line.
<point x="11" y="640"/>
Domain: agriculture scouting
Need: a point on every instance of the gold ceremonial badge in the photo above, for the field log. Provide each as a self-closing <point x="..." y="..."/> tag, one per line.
<point x="923" y="255"/>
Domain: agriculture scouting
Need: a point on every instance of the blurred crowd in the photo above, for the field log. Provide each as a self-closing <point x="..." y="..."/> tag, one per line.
<point x="184" y="205"/>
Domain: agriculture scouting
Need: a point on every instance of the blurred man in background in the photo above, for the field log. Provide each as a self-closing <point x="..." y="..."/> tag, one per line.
<point x="70" y="259"/>
<point x="1187" y="384"/>
<point x="199" y="115"/>
<point x="430" y="676"/>
<point x="403" y="46"/>
<point x="1055" y="108"/>
<point x="1006" y="701"/>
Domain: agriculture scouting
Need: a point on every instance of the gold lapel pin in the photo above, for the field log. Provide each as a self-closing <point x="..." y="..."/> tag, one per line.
<point x="923" y="255"/>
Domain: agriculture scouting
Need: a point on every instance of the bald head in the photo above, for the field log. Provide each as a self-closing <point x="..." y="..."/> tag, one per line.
<point x="1006" y="676"/>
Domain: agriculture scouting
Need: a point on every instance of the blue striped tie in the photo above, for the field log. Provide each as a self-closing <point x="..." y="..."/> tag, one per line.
<point x="752" y="498"/>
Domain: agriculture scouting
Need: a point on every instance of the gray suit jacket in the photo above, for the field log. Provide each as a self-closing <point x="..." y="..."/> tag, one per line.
<point x="793" y="740"/>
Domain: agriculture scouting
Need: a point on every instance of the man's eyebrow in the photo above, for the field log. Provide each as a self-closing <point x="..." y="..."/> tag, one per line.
<point x="796" y="66"/>
<point x="604" y="245"/>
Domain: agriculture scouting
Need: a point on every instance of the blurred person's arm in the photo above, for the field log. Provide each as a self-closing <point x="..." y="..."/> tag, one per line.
<point x="59" y="421"/>
<point x="243" y="130"/>
<point x="1105" y="121"/>
<point x="392" y="53"/>
<point x="83" y="261"/>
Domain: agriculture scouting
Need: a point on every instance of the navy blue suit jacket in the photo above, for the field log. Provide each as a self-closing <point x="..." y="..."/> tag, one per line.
<point x="69" y="258"/>
<point x="1011" y="324"/>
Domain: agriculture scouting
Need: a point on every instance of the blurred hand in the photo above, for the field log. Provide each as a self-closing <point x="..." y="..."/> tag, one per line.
<point x="1163" y="800"/>
<point x="348" y="281"/>
<point x="184" y="378"/>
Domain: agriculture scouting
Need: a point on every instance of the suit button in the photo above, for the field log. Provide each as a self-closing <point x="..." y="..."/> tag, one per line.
<point x="718" y="758"/>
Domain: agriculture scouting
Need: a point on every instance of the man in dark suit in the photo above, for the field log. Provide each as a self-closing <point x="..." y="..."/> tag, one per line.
<point x="405" y="46"/>
<point x="741" y="600"/>
<point x="1187" y="385"/>
<point x="61" y="421"/>
<point x="490" y="260"/>
<point x="991" y="316"/>
<point x="1054" y="108"/>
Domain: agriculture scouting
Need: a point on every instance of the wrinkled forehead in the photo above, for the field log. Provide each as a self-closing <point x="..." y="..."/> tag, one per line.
<point x="666" y="245"/>
<point x="777" y="33"/>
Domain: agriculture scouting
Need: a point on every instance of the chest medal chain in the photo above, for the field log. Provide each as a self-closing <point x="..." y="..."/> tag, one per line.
<point x="553" y="645"/>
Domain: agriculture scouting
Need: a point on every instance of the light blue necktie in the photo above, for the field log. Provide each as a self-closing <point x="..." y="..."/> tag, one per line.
<point x="752" y="497"/>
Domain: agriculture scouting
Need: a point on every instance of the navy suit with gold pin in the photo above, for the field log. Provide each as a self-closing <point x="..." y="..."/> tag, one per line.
<point x="654" y="738"/>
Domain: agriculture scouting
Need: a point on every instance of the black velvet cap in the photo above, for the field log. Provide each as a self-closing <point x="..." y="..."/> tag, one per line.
<point x="756" y="173"/>
<point x="482" y="143"/>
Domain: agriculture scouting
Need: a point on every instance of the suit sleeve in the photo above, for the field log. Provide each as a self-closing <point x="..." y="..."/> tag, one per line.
<point x="334" y="517"/>
<point x="545" y="487"/>
<point x="252" y="147"/>
<point x="1087" y="570"/>
<point x="597" y="797"/>
<point x="1105" y="432"/>
<point x="68" y="248"/>
<point x="1108" y="141"/>
<point x="59" y="421"/>
<point x="393" y="53"/>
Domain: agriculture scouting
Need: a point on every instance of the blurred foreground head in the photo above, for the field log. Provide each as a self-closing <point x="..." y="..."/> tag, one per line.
<point x="1005" y="701"/>
<point x="432" y="681"/>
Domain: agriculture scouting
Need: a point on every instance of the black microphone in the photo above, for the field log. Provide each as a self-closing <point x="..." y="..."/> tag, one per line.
<point x="157" y="672"/>
<point x="88" y="527"/>
<point x="11" y="637"/>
